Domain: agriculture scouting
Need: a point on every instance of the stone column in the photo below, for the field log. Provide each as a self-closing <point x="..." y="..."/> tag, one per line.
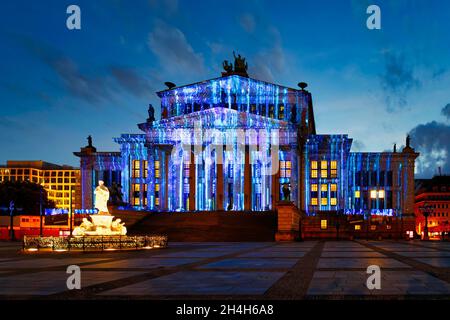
<point x="247" y="181"/>
<point x="275" y="188"/>
<point x="219" y="186"/>
<point x="192" y="183"/>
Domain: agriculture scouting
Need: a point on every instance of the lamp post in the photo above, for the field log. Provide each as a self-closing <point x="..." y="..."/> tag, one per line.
<point x="426" y="211"/>
<point x="40" y="214"/>
<point x="11" y="214"/>
<point x="70" y="212"/>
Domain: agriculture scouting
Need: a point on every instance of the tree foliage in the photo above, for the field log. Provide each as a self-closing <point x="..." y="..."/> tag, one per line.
<point x="26" y="195"/>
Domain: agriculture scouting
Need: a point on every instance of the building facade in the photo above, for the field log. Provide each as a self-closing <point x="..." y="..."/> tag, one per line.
<point x="434" y="195"/>
<point x="234" y="143"/>
<point x="57" y="180"/>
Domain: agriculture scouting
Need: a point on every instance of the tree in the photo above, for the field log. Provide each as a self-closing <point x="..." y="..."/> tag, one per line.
<point x="26" y="195"/>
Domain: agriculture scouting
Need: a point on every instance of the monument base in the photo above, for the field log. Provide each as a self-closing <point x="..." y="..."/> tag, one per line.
<point x="288" y="218"/>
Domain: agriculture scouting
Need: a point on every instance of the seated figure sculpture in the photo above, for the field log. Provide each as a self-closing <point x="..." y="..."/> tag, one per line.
<point x="102" y="223"/>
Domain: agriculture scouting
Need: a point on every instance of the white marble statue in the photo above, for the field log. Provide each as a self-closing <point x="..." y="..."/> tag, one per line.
<point x="101" y="198"/>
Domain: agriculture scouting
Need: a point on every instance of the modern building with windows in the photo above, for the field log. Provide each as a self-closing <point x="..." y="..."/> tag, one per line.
<point x="58" y="180"/>
<point x="235" y="143"/>
<point x="433" y="195"/>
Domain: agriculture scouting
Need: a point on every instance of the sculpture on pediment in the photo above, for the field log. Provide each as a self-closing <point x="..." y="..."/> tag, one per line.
<point x="227" y="66"/>
<point x="240" y="65"/>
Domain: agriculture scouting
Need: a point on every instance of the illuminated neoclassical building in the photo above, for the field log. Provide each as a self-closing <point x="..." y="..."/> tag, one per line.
<point x="235" y="143"/>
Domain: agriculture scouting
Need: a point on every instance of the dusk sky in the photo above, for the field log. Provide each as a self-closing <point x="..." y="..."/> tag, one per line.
<point x="58" y="86"/>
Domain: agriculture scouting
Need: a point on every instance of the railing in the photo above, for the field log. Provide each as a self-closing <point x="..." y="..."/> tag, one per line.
<point x="93" y="243"/>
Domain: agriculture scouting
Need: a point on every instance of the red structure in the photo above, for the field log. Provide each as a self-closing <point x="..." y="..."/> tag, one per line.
<point x="435" y="194"/>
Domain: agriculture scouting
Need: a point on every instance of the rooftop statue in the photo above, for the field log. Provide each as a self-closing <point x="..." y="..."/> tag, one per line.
<point x="89" y="139"/>
<point x="227" y="66"/>
<point x="151" y="113"/>
<point x="239" y="63"/>
<point x="240" y="66"/>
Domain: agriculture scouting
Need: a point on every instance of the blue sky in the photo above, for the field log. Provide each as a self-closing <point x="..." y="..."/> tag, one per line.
<point x="58" y="86"/>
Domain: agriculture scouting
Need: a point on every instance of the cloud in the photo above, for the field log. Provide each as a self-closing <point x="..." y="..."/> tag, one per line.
<point x="397" y="81"/>
<point x="87" y="87"/>
<point x="131" y="81"/>
<point x="173" y="50"/>
<point x="92" y="88"/>
<point x="446" y="111"/>
<point x="269" y="61"/>
<point x="432" y="140"/>
<point x="169" y="6"/>
<point x="358" y="146"/>
<point x="247" y="22"/>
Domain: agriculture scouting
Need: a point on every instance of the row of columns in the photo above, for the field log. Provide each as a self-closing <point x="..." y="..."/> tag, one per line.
<point x="163" y="153"/>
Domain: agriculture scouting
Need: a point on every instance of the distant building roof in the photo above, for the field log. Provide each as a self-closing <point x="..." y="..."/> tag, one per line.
<point x="436" y="184"/>
<point x="37" y="164"/>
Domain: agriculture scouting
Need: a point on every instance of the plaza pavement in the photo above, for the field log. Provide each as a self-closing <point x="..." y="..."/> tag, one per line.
<point x="264" y="270"/>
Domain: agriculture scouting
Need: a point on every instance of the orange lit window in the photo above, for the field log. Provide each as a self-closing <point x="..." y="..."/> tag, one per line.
<point x="314" y="201"/>
<point x="323" y="224"/>
<point x="314" y="187"/>
<point x="323" y="164"/>
<point x="381" y="194"/>
<point x="314" y="174"/>
<point x="323" y="187"/>
<point x="313" y="164"/>
<point x="333" y="173"/>
<point x="333" y="164"/>
<point x="136" y="169"/>
<point x="333" y="201"/>
<point x="357" y="194"/>
<point x="157" y="172"/>
<point x="324" y="173"/>
<point x="324" y="201"/>
<point x="333" y="187"/>
<point x="145" y="169"/>
<point x="357" y="227"/>
<point x="373" y="194"/>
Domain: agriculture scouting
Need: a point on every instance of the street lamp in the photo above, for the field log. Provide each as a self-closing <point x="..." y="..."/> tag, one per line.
<point x="426" y="211"/>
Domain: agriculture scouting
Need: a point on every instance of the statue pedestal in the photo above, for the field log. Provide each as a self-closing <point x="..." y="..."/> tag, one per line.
<point x="102" y="225"/>
<point x="288" y="221"/>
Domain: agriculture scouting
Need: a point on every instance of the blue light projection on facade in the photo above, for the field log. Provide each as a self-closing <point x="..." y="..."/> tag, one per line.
<point x="238" y="144"/>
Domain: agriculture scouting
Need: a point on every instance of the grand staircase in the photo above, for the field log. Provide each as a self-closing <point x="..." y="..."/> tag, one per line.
<point x="202" y="226"/>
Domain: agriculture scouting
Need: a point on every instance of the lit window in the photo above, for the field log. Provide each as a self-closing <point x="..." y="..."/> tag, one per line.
<point x="323" y="187"/>
<point x="333" y="173"/>
<point x="357" y="227"/>
<point x="381" y="194"/>
<point x="285" y="169"/>
<point x="333" y="201"/>
<point x="333" y="187"/>
<point x="373" y="227"/>
<point x="323" y="164"/>
<point x="157" y="172"/>
<point x="323" y="224"/>
<point x="136" y="169"/>
<point x="313" y="164"/>
<point x="373" y="194"/>
<point x="314" y="187"/>
<point x="333" y="164"/>
<point x="324" y="201"/>
<point x="357" y="194"/>
<point x="324" y="173"/>
<point x="314" y="201"/>
<point x="314" y="174"/>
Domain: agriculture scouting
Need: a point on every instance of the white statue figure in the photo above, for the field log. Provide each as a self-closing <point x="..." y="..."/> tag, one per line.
<point x="101" y="198"/>
<point x="84" y="227"/>
<point x="118" y="227"/>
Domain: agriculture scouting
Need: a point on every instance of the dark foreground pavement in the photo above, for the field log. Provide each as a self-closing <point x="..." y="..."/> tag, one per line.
<point x="263" y="270"/>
